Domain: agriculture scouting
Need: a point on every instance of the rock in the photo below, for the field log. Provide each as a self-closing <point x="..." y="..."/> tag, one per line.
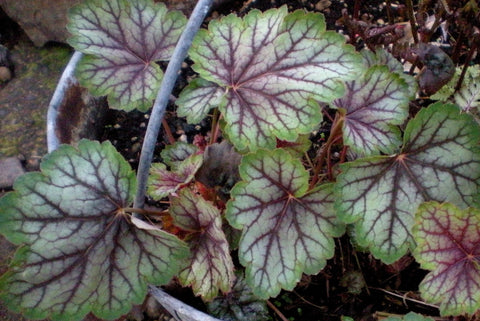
<point x="10" y="169"/>
<point x="5" y="74"/>
<point x="42" y="20"/>
<point x="45" y="20"/>
<point x="24" y="99"/>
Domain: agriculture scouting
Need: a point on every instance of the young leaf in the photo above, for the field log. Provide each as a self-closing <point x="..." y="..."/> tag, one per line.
<point x="239" y="304"/>
<point x="271" y="68"/>
<point x="174" y="155"/>
<point x="81" y="253"/>
<point x="163" y="182"/>
<point x="440" y="160"/>
<point x="211" y="266"/>
<point x="372" y="106"/>
<point x="286" y="231"/>
<point x="124" y="40"/>
<point x="448" y="241"/>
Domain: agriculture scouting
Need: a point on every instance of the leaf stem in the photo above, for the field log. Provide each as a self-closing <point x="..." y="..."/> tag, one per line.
<point x="411" y="17"/>
<point x="473" y="49"/>
<point x="277" y="311"/>
<point x="196" y="18"/>
<point x="144" y="211"/>
<point x="335" y="133"/>
<point x="168" y="132"/>
<point x="215" y="126"/>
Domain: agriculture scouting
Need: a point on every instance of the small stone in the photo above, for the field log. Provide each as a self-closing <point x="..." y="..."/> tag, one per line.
<point x="322" y="5"/>
<point x="10" y="169"/>
<point x="5" y="74"/>
<point x="136" y="147"/>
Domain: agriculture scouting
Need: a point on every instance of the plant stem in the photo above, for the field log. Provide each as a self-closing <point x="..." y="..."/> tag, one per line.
<point x="277" y="311"/>
<point x="144" y="212"/>
<point x="168" y="132"/>
<point x="411" y="17"/>
<point x="320" y="159"/>
<point x="473" y="49"/>
<point x="196" y="18"/>
<point x="215" y="126"/>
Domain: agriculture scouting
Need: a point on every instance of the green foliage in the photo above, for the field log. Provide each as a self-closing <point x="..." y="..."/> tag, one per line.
<point x="123" y="41"/>
<point x="448" y="240"/>
<point x="287" y="230"/>
<point x="211" y="266"/>
<point x="81" y="251"/>
<point x="439" y="160"/>
<point x="268" y="75"/>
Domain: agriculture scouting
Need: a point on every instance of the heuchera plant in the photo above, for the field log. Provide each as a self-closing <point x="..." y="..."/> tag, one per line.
<point x="266" y="77"/>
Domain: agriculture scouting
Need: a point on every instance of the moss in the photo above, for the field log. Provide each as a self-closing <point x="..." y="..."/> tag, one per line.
<point x="25" y="99"/>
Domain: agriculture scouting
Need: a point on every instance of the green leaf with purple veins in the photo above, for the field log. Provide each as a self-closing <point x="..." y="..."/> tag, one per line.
<point x="440" y="160"/>
<point x="211" y="266"/>
<point x="198" y="98"/>
<point x="174" y="155"/>
<point x="162" y="182"/>
<point x="81" y="253"/>
<point x="381" y="57"/>
<point x="123" y="41"/>
<point x="272" y="67"/>
<point x="448" y="244"/>
<point x="287" y="231"/>
<point x="372" y="106"/>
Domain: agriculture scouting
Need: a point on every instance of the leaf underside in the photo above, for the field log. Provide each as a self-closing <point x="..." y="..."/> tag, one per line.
<point x="81" y="253"/>
<point x="286" y="231"/>
<point x="266" y="73"/>
<point x="448" y="244"/>
<point x="439" y="161"/>
<point x="123" y="41"/>
<point x="211" y="266"/>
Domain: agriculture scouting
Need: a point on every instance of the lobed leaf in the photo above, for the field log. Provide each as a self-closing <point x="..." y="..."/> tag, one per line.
<point x="123" y="41"/>
<point x="269" y="70"/>
<point x="81" y="251"/>
<point x="211" y="266"/>
<point x="287" y="231"/>
<point x="372" y="106"/>
<point x="173" y="155"/>
<point x="468" y="97"/>
<point x="448" y="243"/>
<point x="440" y="161"/>
<point x="239" y="304"/>
<point x="162" y="182"/>
<point x="381" y="57"/>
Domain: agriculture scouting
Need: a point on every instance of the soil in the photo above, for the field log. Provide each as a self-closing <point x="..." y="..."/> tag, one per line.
<point x="353" y="283"/>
